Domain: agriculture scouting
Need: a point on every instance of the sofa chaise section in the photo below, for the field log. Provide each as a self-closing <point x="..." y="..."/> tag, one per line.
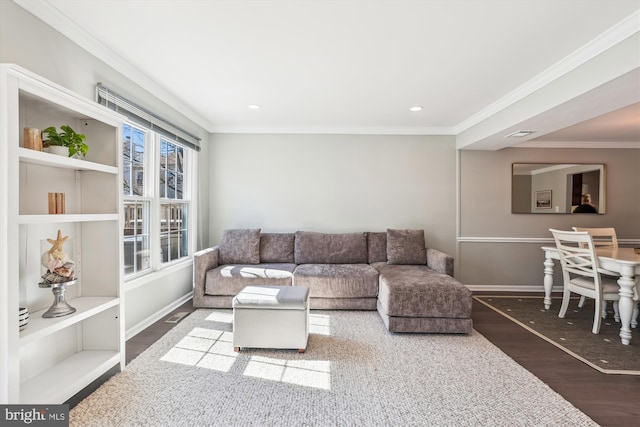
<point x="417" y="291"/>
<point x="415" y="298"/>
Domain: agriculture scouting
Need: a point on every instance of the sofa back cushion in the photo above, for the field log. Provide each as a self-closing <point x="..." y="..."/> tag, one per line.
<point x="377" y="245"/>
<point x="325" y="248"/>
<point x="240" y="246"/>
<point x="406" y="247"/>
<point x="276" y="247"/>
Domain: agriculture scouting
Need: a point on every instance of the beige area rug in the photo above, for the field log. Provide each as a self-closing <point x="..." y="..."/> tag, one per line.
<point x="603" y="352"/>
<point x="354" y="373"/>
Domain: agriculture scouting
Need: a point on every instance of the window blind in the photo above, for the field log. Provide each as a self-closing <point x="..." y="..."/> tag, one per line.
<point x="145" y="118"/>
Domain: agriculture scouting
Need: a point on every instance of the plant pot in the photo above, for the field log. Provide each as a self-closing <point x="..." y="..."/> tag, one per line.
<point x="59" y="150"/>
<point x="23" y="317"/>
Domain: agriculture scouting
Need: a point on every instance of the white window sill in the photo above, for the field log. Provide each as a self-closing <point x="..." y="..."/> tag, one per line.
<point x="151" y="276"/>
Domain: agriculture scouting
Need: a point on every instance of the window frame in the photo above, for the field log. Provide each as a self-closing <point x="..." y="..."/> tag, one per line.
<point x="145" y="198"/>
<point x="187" y="199"/>
<point x="151" y="190"/>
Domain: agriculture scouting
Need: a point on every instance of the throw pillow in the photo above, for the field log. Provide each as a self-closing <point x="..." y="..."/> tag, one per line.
<point x="240" y="246"/>
<point x="276" y="247"/>
<point x="406" y="247"/>
<point x="377" y="245"/>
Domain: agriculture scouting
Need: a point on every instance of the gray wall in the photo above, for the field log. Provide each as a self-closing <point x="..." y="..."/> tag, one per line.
<point x="334" y="183"/>
<point x="497" y="247"/>
<point x="30" y="43"/>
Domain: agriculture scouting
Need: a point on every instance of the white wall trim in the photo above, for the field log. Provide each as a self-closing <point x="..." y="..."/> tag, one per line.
<point x="542" y="240"/>
<point x="614" y="35"/>
<point x="335" y="130"/>
<point x="538" y="240"/>
<point x="49" y="14"/>
<point x="136" y="329"/>
<point x="578" y="144"/>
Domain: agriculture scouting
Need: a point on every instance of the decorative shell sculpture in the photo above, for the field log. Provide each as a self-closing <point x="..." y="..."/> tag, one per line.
<point x="60" y="268"/>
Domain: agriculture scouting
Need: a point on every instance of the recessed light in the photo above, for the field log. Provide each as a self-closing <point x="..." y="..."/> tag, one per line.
<point x="254" y="107"/>
<point x="416" y="108"/>
<point x="520" y="134"/>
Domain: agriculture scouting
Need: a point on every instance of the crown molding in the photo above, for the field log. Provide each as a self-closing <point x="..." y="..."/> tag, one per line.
<point x="614" y="35"/>
<point x="304" y="130"/>
<point x="49" y="14"/>
<point x="578" y="144"/>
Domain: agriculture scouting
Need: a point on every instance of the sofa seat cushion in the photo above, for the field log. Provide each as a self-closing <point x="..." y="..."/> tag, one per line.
<point x="230" y="279"/>
<point x="418" y="291"/>
<point x="337" y="280"/>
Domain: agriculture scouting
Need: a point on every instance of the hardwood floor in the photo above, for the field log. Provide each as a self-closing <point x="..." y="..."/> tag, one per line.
<point x="610" y="400"/>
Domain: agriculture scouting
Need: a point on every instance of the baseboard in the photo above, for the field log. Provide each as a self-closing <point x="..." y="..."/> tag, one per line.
<point x="511" y="288"/>
<point x="133" y="331"/>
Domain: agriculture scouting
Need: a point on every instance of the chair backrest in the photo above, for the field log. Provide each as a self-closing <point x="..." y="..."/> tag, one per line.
<point x="602" y="237"/>
<point x="577" y="255"/>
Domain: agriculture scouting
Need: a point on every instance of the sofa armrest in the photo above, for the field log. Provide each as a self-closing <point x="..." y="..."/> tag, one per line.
<point x="439" y="261"/>
<point x="203" y="261"/>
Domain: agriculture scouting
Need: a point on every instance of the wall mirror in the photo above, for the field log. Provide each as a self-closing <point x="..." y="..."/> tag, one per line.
<point x="547" y="188"/>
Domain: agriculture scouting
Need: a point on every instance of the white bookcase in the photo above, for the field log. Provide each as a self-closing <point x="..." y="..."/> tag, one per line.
<point x="54" y="358"/>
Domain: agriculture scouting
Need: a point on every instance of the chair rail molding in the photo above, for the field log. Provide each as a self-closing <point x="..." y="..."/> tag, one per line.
<point x="537" y="240"/>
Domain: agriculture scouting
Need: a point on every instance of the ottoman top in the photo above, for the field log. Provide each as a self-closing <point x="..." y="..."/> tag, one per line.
<point x="272" y="297"/>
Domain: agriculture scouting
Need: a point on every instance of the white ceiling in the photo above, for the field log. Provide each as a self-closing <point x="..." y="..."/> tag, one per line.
<point x="341" y="66"/>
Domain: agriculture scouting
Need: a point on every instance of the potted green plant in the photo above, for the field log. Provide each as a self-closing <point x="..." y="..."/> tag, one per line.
<point x="68" y="138"/>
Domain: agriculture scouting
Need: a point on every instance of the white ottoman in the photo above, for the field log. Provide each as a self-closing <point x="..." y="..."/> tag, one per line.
<point x="271" y="317"/>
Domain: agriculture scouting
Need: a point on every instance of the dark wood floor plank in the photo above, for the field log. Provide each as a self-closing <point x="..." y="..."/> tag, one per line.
<point x="610" y="400"/>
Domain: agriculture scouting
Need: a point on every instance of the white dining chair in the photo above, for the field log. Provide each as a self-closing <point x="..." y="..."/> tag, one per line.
<point x="603" y="237"/>
<point x="582" y="274"/>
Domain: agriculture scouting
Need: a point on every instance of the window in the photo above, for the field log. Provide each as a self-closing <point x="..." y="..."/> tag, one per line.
<point x="133" y="160"/>
<point x="156" y="190"/>
<point x="159" y="160"/>
<point x="136" y="237"/>
<point x="136" y="201"/>
<point x="173" y="209"/>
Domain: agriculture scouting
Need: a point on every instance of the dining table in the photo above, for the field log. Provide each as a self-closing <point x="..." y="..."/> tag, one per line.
<point x="623" y="261"/>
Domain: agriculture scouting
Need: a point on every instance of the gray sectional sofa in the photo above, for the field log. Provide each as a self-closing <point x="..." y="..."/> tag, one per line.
<point x="410" y="285"/>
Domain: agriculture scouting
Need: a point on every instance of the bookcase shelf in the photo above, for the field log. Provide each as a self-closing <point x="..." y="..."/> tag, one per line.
<point x="62" y="218"/>
<point x="68" y="376"/>
<point x="48" y="159"/>
<point x="86" y="307"/>
<point x="53" y="358"/>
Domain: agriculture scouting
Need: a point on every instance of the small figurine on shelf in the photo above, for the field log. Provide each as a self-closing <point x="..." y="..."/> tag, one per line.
<point x="60" y="273"/>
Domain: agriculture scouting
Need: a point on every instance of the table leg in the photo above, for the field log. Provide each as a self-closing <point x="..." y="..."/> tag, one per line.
<point x="626" y="303"/>
<point x="548" y="280"/>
